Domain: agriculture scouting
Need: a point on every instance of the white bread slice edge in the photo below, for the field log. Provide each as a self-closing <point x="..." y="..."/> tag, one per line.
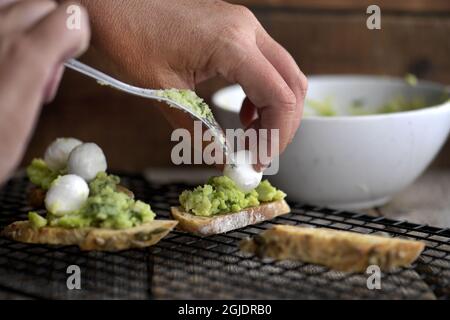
<point x="336" y="249"/>
<point x="91" y="239"/>
<point x="222" y="223"/>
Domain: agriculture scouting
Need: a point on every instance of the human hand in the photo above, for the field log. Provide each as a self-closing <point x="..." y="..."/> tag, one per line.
<point x="179" y="43"/>
<point x="34" y="42"/>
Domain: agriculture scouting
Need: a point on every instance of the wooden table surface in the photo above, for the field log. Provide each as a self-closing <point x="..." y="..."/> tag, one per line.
<point x="427" y="201"/>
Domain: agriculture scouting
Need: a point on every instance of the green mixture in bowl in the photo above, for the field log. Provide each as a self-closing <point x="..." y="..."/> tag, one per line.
<point x="220" y="196"/>
<point x="327" y="107"/>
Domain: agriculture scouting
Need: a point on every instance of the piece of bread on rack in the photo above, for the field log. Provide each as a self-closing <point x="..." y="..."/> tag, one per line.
<point x="91" y="239"/>
<point x="338" y="250"/>
<point x="222" y="223"/>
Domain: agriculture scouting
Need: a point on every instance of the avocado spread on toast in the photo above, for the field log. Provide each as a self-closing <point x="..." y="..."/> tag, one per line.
<point x="104" y="208"/>
<point x="220" y="195"/>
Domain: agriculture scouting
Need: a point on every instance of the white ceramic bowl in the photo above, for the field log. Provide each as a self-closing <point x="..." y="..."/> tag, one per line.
<point x="355" y="162"/>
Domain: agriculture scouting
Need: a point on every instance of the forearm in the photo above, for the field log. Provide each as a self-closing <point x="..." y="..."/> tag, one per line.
<point x="24" y="84"/>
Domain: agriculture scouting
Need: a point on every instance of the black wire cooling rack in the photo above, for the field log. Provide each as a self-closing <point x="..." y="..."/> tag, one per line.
<point x="184" y="266"/>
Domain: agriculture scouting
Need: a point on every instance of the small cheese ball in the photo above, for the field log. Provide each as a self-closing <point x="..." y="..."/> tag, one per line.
<point x="242" y="172"/>
<point x="58" y="152"/>
<point x="86" y="161"/>
<point x="67" y="194"/>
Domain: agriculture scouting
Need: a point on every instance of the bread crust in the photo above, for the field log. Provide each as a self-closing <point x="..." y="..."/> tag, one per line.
<point x="222" y="223"/>
<point x="91" y="239"/>
<point x="339" y="250"/>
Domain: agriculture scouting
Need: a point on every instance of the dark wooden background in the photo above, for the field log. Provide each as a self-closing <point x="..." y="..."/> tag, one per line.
<point x="324" y="36"/>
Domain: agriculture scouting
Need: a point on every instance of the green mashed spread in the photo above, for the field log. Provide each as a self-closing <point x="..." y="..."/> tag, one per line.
<point x="398" y="104"/>
<point x="326" y="107"/>
<point x="104" y="208"/>
<point x="41" y="175"/>
<point x="411" y="79"/>
<point x="189" y="99"/>
<point x="220" y="195"/>
<point x="36" y="220"/>
<point x="322" y="108"/>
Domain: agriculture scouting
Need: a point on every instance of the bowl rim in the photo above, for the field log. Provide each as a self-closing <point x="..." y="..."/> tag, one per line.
<point x="442" y="107"/>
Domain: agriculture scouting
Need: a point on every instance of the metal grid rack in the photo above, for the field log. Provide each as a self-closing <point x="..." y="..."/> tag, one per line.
<point x="184" y="266"/>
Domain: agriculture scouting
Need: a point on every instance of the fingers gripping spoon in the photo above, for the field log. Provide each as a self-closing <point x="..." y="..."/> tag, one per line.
<point x="104" y="79"/>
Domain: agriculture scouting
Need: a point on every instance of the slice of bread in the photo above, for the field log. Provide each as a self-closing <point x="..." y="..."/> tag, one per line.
<point x="221" y="223"/>
<point x="339" y="250"/>
<point x="90" y="239"/>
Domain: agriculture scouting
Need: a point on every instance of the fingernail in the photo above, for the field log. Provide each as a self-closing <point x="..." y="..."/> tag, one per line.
<point x="260" y="167"/>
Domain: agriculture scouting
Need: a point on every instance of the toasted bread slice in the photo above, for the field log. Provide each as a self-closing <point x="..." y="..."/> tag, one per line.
<point x="36" y="196"/>
<point x="205" y="226"/>
<point x="90" y="239"/>
<point x="339" y="250"/>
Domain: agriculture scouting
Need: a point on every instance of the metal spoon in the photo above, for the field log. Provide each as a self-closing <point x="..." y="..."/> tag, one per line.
<point x="104" y="79"/>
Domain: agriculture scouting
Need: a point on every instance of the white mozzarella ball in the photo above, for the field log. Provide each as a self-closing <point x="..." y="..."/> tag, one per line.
<point x="242" y="172"/>
<point x="67" y="194"/>
<point x="58" y="152"/>
<point x="86" y="161"/>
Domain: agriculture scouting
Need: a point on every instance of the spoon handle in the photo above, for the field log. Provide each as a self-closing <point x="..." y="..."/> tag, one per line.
<point x="105" y="79"/>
